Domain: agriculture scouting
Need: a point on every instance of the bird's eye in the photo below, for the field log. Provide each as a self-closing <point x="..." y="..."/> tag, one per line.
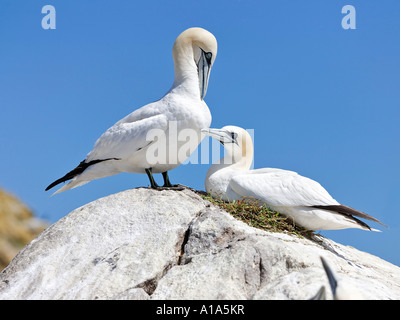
<point x="233" y="135"/>
<point x="208" y="56"/>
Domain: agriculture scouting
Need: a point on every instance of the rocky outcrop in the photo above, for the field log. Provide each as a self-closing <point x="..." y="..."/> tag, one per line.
<point x="18" y="226"/>
<point x="148" y="244"/>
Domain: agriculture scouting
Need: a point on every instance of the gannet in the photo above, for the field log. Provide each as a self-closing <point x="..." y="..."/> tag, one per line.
<point x="126" y="146"/>
<point x="303" y="200"/>
<point x="340" y="290"/>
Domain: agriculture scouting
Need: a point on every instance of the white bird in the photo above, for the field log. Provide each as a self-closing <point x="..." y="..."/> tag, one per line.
<point x="303" y="200"/>
<point x="126" y="146"/>
<point x="341" y="290"/>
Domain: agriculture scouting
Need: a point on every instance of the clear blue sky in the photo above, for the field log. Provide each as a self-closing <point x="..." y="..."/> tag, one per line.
<point x="323" y="101"/>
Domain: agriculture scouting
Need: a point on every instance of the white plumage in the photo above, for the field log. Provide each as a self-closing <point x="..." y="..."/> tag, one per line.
<point x="300" y="198"/>
<point x="126" y="146"/>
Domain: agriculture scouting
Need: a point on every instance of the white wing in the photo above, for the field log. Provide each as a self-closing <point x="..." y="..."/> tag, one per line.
<point x="278" y="188"/>
<point x="128" y="135"/>
<point x="271" y="170"/>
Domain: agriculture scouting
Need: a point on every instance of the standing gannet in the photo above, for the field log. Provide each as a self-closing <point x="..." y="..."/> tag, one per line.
<point x="132" y="144"/>
<point x="340" y="290"/>
<point x="300" y="198"/>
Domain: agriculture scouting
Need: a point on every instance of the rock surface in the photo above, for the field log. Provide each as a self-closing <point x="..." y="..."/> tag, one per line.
<point x="148" y="244"/>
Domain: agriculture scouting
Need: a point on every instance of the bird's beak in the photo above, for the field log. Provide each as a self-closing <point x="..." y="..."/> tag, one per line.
<point x="331" y="275"/>
<point x="204" y="68"/>
<point x="222" y="136"/>
<point x="321" y="295"/>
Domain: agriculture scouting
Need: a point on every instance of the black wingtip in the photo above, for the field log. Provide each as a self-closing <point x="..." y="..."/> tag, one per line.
<point x="350" y="212"/>
<point x="68" y="176"/>
<point x="54" y="184"/>
<point x="82" y="166"/>
<point x="78" y="170"/>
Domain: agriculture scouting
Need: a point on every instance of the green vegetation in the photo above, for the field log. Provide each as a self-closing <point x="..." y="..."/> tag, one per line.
<point x="260" y="217"/>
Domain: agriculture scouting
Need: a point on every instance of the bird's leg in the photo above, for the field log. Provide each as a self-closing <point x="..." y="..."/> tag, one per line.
<point x="153" y="183"/>
<point x="168" y="184"/>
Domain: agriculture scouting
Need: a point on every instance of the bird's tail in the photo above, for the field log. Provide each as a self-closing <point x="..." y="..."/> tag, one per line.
<point x="70" y="175"/>
<point x="73" y="175"/>
<point x="70" y="185"/>
<point x="350" y="212"/>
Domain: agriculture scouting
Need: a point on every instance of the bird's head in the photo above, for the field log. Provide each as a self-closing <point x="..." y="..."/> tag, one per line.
<point x="195" y="48"/>
<point x="236" y="141"/>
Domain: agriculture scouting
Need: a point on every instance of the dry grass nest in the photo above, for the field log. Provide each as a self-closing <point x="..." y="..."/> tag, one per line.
<point x="259" y="216"/>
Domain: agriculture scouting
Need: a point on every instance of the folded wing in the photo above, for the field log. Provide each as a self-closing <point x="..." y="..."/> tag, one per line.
<point x="281" y="188"/>
<point x="125" y="138"/>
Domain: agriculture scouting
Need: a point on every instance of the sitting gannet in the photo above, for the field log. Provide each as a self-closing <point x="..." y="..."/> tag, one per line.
<point x="300" y="198"/>
<point x="138" y="142"/>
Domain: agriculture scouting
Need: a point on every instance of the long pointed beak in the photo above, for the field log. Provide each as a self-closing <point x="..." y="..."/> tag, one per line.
<point x="214" y="133"/>
<point x="320" y="294"/>
<point x="204" y="73"/>
<point x="331" y="275"/>
<point x="222" y="136"/>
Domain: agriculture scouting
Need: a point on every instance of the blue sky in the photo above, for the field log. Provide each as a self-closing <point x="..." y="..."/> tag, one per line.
<point x="323" y="101"/>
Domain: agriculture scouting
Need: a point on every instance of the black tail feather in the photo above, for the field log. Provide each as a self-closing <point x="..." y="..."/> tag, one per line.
<point x="78" y="170"/>
<point x="350" y="212"/>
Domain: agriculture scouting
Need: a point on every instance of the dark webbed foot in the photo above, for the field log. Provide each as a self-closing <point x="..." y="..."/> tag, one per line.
<point x="168" y="185"/>
<point x="177" y="187"/>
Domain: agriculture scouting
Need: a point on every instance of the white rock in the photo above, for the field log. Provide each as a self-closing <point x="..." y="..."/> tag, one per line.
<point x="127" y="240"/>
<point x="148" y="244"/>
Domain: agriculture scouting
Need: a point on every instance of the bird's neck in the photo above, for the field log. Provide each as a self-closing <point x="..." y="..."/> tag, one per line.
<point x="186" y="78"/>
<point x="221" y="172"/>
<point x="228" y="164"/>
<point x="219" y="176"/>
<point x="238" y="160"/>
